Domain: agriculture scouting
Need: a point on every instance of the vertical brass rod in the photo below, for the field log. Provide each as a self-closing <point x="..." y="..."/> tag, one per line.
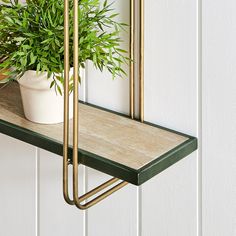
<point x="75" y="103"/>
<point x="76" y="199"/>
<point x="66" y="103"/>
<point x="141" y="63"/>
<point x="132" y="83"/>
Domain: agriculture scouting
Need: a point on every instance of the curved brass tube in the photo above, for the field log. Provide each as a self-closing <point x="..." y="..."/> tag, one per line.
<point x="131" y="50"/>
<point x="66" y="103"/>
<point x="76" y="199"/>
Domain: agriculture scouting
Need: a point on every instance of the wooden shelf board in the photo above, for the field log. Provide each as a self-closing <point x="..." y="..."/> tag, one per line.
<point x="109" y="142"/>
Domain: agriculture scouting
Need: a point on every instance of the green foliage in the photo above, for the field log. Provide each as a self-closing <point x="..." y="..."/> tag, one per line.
<point x="32" y="37"/>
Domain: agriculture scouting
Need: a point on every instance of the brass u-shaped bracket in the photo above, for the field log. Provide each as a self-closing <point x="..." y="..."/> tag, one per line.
<point x="76" y="200"/>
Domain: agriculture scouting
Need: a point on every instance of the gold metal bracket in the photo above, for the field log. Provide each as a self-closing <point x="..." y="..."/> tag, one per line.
<point x="141" y="61"/>
<point x="76" y="200"/>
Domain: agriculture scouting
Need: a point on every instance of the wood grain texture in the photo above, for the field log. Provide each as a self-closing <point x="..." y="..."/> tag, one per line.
<point x="117" y="215"/>
<point x="105" y="134"/>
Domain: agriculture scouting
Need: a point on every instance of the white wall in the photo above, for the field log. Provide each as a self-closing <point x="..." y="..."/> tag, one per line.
<point x="170" y="199"/>
<point x="219" y="118"/>
<point x="189" y="86"/>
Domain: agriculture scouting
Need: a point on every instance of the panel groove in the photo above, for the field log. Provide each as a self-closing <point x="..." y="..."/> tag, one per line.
<point x="139" y="210"/>
<point x="139" y="188"/>
<point x="37" y="192"/>
<point x="199" y="89"/>
<point x="169" y="199"/>
<point x="85" y="169"/>
<point x="85" y="190"/>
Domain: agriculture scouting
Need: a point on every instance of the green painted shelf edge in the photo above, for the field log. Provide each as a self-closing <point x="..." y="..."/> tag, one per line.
<point x="136" y="177"/>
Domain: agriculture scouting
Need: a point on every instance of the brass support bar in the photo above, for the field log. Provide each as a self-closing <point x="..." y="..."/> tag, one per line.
<point x="98" y="189"/>
<point x="141" y="62"/>
<point x="132" y="45"/>
<point x="66" y="103"/>
<point x="76" y="199"/>
<point x="103" y="195"/>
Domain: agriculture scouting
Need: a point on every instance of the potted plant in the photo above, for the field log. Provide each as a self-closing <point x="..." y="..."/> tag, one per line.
<point x="31" y="44"/>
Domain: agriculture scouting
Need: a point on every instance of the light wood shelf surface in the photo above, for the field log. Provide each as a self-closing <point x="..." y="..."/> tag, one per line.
<point x="111" y="143"/>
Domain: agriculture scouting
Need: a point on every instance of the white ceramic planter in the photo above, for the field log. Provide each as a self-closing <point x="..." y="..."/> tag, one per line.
<point x="42" y="104"/>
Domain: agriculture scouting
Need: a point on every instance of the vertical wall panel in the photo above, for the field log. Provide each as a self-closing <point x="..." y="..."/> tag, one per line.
<point x="116" y="215"/>
<point x="170" y="199"/>
<point x="17" y="187"/>
<point x="56" y="216"/>
<point x="219" y="118"/>
<point x="102" y="90"/>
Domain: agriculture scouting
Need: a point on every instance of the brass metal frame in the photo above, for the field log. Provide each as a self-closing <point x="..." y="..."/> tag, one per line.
<point x="76" y="200"/>
<point x="131" y="49"/>
<point x="66" y="104"/>
<point x="141" y="62"/>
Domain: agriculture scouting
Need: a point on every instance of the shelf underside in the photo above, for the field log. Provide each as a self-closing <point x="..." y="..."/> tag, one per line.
<point x="108" y="142"/>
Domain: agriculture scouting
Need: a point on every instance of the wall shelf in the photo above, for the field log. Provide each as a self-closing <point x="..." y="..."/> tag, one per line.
<point x="109" y="142"/>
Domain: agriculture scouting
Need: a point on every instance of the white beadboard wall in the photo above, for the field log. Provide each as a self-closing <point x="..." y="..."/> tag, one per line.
<point x="219" y="118"/>
<point x="190" y="86"/>
<point x="171" y="100"/>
